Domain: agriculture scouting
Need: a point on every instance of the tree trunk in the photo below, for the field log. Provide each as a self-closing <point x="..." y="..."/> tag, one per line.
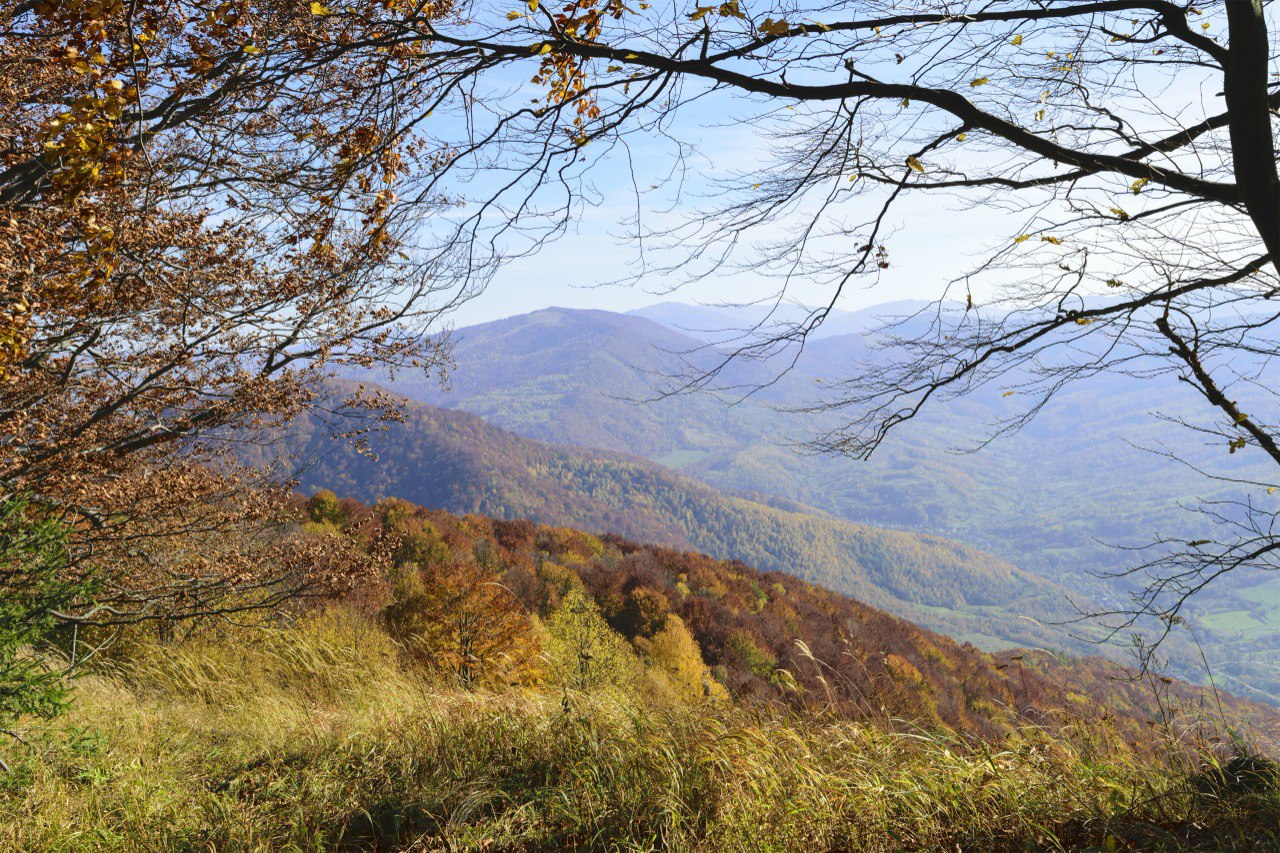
<point x="1252" y="145"/>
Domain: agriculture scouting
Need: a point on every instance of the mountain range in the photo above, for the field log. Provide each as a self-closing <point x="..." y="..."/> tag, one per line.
<point x="1055" y="499"/>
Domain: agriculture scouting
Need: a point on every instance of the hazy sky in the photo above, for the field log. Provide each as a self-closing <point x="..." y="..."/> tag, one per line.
<point x="933" y="238"/>
<point x="568" y="275"/>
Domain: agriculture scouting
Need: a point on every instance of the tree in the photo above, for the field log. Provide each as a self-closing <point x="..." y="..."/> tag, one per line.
<point x="323" y="508"/>
<point x="1135" y="217"/>
<point x="675" y="652"/>
<point x="34" y="588"/>
<point x="199" y="222"/>
<point x="584" y="652"/>
<point x="460" y="621"/>
<point x="1138" y="230"/>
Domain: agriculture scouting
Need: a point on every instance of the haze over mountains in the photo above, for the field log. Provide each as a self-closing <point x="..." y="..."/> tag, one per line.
<point x="1053" y="499"/>
<point x="1049" y="497"/>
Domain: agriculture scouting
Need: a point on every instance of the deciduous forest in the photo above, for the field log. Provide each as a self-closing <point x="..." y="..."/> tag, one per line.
<point x="355" y="494"/>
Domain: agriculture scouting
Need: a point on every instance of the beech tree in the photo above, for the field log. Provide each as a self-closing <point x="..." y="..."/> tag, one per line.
<point x="199" y="220"/>
<point x="155" y="151"/>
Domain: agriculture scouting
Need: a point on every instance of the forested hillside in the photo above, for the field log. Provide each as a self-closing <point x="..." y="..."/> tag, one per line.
<point x="770" y="635"/>
<point x="1051" y="498"/>
<point x="498" y="684"/>
<point x="451" y="460"/>
<point x="1064" y="498"/>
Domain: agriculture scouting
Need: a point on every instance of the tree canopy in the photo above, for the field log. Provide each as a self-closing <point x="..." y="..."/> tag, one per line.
<point x="206" y="203"/>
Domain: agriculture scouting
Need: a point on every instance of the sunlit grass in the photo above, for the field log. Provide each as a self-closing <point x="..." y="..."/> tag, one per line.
<point x="318" y="737"/>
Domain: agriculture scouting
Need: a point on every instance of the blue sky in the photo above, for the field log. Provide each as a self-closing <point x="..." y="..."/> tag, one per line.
<point x="933" y="239"/>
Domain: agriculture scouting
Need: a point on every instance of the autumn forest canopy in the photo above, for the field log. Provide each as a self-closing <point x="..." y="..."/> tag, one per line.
<point x="211" y="210"/>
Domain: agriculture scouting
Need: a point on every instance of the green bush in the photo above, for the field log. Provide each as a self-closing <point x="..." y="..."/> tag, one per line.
<point x="34" y="587"/>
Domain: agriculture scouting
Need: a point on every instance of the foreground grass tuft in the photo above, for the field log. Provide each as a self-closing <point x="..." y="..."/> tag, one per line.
<point x="318" y="738"/>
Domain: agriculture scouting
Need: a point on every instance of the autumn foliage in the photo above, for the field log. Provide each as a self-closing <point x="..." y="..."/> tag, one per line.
<point x="486" y="602"/>
<point x="198" y="218"/>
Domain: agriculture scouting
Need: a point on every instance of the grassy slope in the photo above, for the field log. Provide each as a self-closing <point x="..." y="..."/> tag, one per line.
<point x="318" y="737"/>
<point x="321" y="734"/>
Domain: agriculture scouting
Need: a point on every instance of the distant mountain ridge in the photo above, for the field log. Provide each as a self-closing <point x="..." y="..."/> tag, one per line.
<point x="714" y="323"/>
<point x="1050" y="498"/>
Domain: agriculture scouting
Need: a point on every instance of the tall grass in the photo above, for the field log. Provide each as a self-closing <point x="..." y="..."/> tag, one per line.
<point x="319" y="738"/>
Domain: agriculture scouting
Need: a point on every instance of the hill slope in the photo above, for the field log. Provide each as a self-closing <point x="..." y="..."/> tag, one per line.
<point x="1054" y="499"/>
<point x="451" y="460"/>
<point x="820" y="724"/>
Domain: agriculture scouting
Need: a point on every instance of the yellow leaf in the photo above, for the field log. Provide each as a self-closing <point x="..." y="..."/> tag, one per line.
<point x="1057" y="241"/>
<point x="546" y="48"/>
<point x="251" y="50"/>
<point x="533" y="5"/>
<point x="729" y="9"/>
<point x="1022" y="239"/>
<point x="981" y="81"/>
<point x="1008" y="393"/>
<point x="961" y="137"/>
<point x="1039" y="115"/>
<point x="1016" y="40"/>
<point x="612" y="68"/>
<point x="915" y="164"/>
<point x="1137" y="185"/>
<point x="770" y="27"/>
<point x="319" y="9"/>
<point x="1114" y="282"/>
<point x="511" y="16"/>
<point x="630" y="56"/>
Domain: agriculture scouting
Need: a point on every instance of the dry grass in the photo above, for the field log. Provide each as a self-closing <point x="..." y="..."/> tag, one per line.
<point x="317" y="738"/>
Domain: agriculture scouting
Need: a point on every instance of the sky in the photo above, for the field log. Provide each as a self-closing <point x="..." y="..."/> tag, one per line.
<point x="932" y="240"/>
<point x="570" y="276"/>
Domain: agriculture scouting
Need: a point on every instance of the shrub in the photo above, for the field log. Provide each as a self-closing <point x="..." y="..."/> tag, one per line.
<point x="34" y="587"/>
